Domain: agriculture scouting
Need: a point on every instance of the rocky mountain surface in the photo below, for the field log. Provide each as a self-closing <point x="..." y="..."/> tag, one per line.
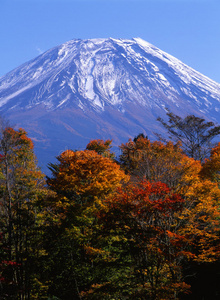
<point x="101" y="88"/>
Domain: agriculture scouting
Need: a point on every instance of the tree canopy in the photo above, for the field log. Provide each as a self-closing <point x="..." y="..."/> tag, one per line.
<point x="22" y="186"/>
<point x="138" y="228"/>
<point x="194" y="133"/>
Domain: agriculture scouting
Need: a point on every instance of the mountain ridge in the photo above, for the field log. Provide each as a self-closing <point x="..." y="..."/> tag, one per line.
<point x="61" y="57"/>
<point x="102" y="88"/>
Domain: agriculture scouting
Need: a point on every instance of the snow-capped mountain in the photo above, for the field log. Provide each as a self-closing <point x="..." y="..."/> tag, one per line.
<point x="102" y="88"/>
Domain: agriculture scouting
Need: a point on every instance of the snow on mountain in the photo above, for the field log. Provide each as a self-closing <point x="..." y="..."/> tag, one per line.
<point x="102" y="88"/>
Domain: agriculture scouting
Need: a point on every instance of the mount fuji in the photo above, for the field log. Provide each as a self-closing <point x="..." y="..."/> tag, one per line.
<point x="101" y="88"/>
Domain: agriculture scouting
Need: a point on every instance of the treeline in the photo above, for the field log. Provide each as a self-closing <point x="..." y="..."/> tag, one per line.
<point x="142" y="226"/>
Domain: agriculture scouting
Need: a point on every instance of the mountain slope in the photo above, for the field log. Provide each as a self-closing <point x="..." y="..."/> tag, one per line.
<point x="101" y="88"/>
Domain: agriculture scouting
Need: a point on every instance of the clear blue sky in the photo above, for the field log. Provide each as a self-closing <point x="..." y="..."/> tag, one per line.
<point x="187" y="29"/>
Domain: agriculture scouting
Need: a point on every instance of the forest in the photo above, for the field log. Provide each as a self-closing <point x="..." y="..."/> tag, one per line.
<point x="144" y="225"/>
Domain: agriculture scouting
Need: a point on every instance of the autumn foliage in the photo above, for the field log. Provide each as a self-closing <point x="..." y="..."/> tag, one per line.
<point x="144" y="226"/>
<point x="149" y="232"/>
<point x="156" y="161"/>
<point x="101" y="147"/>
<point x="86" y="172"/>
<point x="98" y="228"/>
<point x="21" y="187"/>
<point x="211" y="166"/>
